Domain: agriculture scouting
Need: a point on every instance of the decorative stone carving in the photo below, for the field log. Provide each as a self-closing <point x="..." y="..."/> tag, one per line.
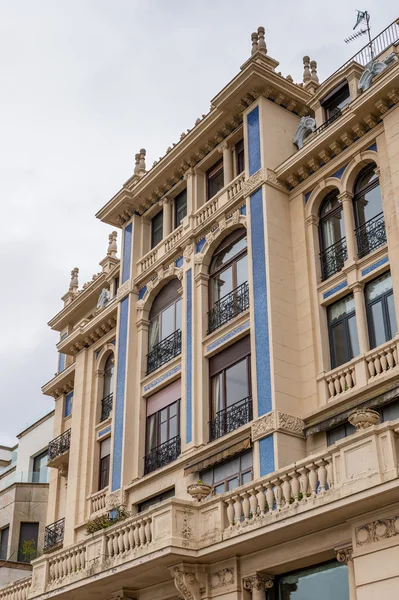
<point x="253" y="182"/>
<point x="362" y="418"/>
<point x="186" y="584"/>
<point x="74" y="283"/>
<point x="290" y="423"/>
<point x="258" y="582"/>
<point x="377" y="530"/>
<point x="199" y="491"/>
<point x="263" y="426"/>
<point x="306" y="69"/>
<point x="114" y="499"/>
<point x="307" y="125"/>
<point x="187" y="252"/>
<point x="112" y="247"/>
<point x="374" y="68"/>
<point x="103" y="298"/>
<point x="222" y="578"/>
<point x="344" y="555"/>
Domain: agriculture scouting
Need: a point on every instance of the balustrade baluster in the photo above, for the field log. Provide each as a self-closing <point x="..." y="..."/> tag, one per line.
<point x="330" y="473"/>
<point x="115" y="542"/>
<point x="148" y="533"/>
<point x="370" y="365"/>
<point x="277" y="492"/>
<point x="286" y="487"/>
<point x="303" y="482"/>
<point x="390" y="359"/>
<point x="126" y="539"/>
<point x="383" y="361"/>
<point x="337" y="385"/>
<point x="237" y="509"/>
<point x="331" y="388"/>
<point x="313" y="479"/>
<point x="110" y="545"/>
<point x="253" y="502"/>
<point x="322" y="475"/>
<point x="245" y="505"/>
<point x="120" y="541"/>
<point x="294" y="486"/>
<point x="142" y="533"/>
<point x="269" y="495"/>
<point x="348" y="379"/>
<point x="230" y="511"/>
<point x="377" y="365"/>
<point x="261" y="499"/>
<point x="136" y="535"/>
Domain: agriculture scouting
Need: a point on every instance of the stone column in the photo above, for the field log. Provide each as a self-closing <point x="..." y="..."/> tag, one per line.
<point x="347" y="205"/>
<point x="344" y="555"/>
<point x="189" y="177"/>
<point x="257" y="584"/>
<point x="227" y="163"/>
<point x="167" y="217"/>
<point x="361" y="318"/>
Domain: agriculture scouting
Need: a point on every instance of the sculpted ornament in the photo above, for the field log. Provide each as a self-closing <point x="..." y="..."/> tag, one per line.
<point x="344" y="555"/>
<point x="103" y="298"/>
<point x="263" y="426"/>
<point x="186" y="584"/>
<point x="377" y="530"/>
<point x="187" y="252"/>
<point x="253" y="182"/>
<point x="290" y="423"/>
<point x="222" y="578"/>
<point x="307" y="125"/>
<point x="258" y="582"/>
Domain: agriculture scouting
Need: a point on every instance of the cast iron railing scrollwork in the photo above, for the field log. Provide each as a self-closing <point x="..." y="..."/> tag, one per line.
<point x="164" y="351"/>
<point x="334" y="116"/>
<point x="162" y="455"/>
<point x="371" y="235"/>
<point x="59" y="445"/>
<point x="106" y="407"/>
<point x="231" y="418"/>
<point x="228" y="307"/>
<point x="54" y="534"/>
<point x="332" y="259"/>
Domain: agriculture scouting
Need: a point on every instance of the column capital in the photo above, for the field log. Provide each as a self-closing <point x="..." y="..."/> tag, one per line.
<point x="166" y="200"/>
<point x="344" y="554"/>
<point x="312" y="220"/>
<point x="189" y="173"/>
<point x="345" y="196"/>
<point x="224" y="146"/>
<point x="258" y="581"/>
<point x="358" y="287"/>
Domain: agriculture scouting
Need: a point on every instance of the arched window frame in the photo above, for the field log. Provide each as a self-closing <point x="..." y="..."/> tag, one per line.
<point x="370" y="233"/>
<point x="332" y="256"/>
<point x="107" y="391"/>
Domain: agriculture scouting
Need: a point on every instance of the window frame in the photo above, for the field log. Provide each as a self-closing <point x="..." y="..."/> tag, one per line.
<point x="334" y="94"/>
<point x="233" y="261"/>
<point x="240" y="473"/>
<point x="385" y="312"/>
<point x="68" y="402"/>
<point x="329" y="215"/>
<point x="156" y="230"/>
<point x="211" y="175"/>
<point x="36" y="458"/>
<point x="247" y="358"/>
<point x="331" y="327"/>
<point x="361" y="192"/>
<point x="177" y="209"/>
<point x="4" y="546"/>
<point x="240" y="157"/>
<point x="158" y="424"/>
<point x="105" y="460"/>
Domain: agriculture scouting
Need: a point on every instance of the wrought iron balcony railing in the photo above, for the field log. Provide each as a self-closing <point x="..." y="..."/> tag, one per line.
<point x="231" y="418"/>
<point x="371" y="235"/>
<point x="59" y="445"/>
<point x="106" y="407"/>
<point x="54" y="534"/>
<point x="164" y="351"/>
<point x="162" y="455"/>
<point x="335" y="115"/>
<point x="332" y="259"/>
<point x="228" y="307"/>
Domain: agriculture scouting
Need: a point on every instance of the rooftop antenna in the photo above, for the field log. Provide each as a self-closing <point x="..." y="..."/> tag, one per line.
<point x="363" y="18"/>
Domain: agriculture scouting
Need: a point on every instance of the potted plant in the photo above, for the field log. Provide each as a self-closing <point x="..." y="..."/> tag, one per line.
<point x="362" y="418"/>
<point x="199" y="490"/>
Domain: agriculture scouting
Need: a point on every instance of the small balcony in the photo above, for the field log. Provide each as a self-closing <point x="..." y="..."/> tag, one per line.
<point x="54" y="535"/>
<point x="231" y="418"/>
<point x="228" y="307"/>
<point x="58" y="450"/>
<point x="335" y="115"/>
<point x="371" y="235"/>
<point x="106" y="407"/>
<point x="164" y="351"/>
<point x="332" y="259"/>
<point x="162" y="455"/>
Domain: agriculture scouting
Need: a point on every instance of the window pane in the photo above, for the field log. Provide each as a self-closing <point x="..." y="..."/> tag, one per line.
<point x="236" y="382"/>
<point x="215" y="183"/>
<point x="242" y="270"/>
<point x="333" y="229"/>
<point x="105" y="448"/>
<point x="173" y="429"/>
<point x="377" y="323"/>
<point x="353" y="337"/>
<point x="332" y="579"/>
<point x="40" y="469"/>
<point x="153" y="337"/>
<point x="230" y="252"/>
<point x="227" y="469"/>
<point x="163" y="415"/>
<point x="223" y="284"/>
<point x="68" y="404"/>
<point x="392" y="315"/>
<point x="246" y="477"/>
<point x="27" y="546"/>
<point x="168" y="322"/>
<point x="335" y="434"/>
<point x="390" y="412"/>
<point x="180" y="207"/>
<point x="233" y="483"/>
<point x="218" y="401"/>
<point x="207" y="477"/>
<point x="151" y="433"/>
<point x="164" y="432"/>
<point x="369" y="205"/>
<point x="219" y="489"/>
<point x="378" y="287"/>
<point x="173" y="409"/>
<point x="4" y="533"/>
<point x="338" y="344"/>
<point x="156" y="229"/>
<point x="246" y="461"/>
<point x="341" y="308"/>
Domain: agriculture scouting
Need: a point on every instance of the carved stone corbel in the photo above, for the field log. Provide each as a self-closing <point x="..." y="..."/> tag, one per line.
<point x="344" y="555"/>
<point x="186" y="582"/>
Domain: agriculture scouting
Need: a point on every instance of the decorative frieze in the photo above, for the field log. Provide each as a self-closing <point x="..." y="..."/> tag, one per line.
<point x="253" y="182"/>
<point x="377" y="530"/>
<point x="222" y="578"/>
<point x="277" y="421"/>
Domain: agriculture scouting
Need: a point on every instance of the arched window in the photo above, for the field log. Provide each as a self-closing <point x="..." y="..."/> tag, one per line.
<point x="333" y="252"/>
<point x="164" y="339"/>
<point x="108" y="386"/>
<point x="369" y="218"/>
<point x="228" y="285"/>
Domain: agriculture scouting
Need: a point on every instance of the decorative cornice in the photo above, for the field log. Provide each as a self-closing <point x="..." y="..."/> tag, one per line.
<point x="375" y="531"/>
<point x="277" y="421"/>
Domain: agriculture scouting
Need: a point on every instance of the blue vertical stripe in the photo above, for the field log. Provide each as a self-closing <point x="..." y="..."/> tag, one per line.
<point x="266" y="451"/>
<point x="120" y="395"/>
<point x="189" y="356"/>
<point x="254" y="158"/>
<point x="261" y="330"/>
<point x="127" y="253"/>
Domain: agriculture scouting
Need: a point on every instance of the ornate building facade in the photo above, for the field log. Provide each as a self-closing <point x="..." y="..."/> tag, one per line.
<point x="227" y="402"/>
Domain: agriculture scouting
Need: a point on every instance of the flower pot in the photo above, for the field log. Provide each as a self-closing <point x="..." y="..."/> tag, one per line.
<point x="362" y="418"/>
<point x="199" y="491"/>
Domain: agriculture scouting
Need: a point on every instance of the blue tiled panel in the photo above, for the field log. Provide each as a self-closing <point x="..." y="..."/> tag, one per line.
<point x="261" y="330"/>
<point x="243" y="210"/>
<point x="68" y="404"/>
<point x="335" y="289"/>
<point x="338" y="174"/>
<point x="228" y="336"/>
<point x="189" y="356"/>
<point x="142" y="292"/>
<point x="162" y="378"/>
<point x="254" y="161"/>
<point x="120" y="395"/>
<point x="127" y="253"/>
<point x="266" y="451"/>
<point x="200" y="244"/>
<point x="179" y="262"/>
<point x="104" y="432"/>
<point x="373" y="147"/>
<point x="307" y="196"/>
<point x="374" y="266"/>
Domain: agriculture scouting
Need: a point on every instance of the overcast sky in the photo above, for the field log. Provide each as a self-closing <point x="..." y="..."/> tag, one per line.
<point x="84" y="85"/>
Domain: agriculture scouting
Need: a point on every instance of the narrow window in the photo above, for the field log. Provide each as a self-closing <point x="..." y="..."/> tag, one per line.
<point x="156" y="229"/>
<point x="108" y="388"/>
<point x="381" y="314"/>
<point x="240" y="157"/>
<point x="40" y="469"/>
<point x="180" y="207"/>
<point x="333" y="251"/>
<point x="105" y="453"/>
<point x="68" y="404"/>
<point x="27" y="546"/>
<point x="164" y="336"/>
<point x="339" y="432"/>
<point x="4" y="534"/>
<point x="215" y="179"/>
<point x="369" y="218"/>
<point x="342" y="327"/>
<point x="335" y="101"/>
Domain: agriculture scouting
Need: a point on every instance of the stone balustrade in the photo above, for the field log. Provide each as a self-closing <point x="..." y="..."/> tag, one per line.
<point x="148" y="260"/>
<point x="173" y="239"/>
<point x="64" y="564"/>
<point x="128" y="538"/>
<point x="361" y="371"/>
<point x="235" y="187"/>
<point x="97" y="501"/>
<point x="206" y="211"/>
<point x="16" y="591"/>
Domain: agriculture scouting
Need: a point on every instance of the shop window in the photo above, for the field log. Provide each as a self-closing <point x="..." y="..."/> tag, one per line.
<point x="328" y="581"/>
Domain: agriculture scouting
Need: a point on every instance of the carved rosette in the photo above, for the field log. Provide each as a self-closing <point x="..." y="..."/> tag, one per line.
<point x="377" y="530"/>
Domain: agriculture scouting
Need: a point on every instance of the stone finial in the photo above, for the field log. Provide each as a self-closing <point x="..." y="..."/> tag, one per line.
<point x="141" y="166"/>
<point x="254" y="39"/>
<point x="74" y="284"/>
<point x="112" y="247"/>
<point x="136" y="163"/>
<point x="313" y="76"/>
<point x="261" y="41"/>
<point x="306" y="70"/>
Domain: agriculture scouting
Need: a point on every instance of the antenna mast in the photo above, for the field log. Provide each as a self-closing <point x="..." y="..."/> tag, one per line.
<point x="363" y="17"/>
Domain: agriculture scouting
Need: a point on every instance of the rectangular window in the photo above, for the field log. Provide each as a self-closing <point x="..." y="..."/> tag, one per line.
<point x="40" y="469"/>
<point x="240" y="157"/>
<point x="328" y="581"/>
<point x="105" y="454"/>
<point x="334" y="102"/>
<point x="155" y="500"/>
<point x="68" y="404"/>
<point x="156" y="229"/>
<point x="4" y="534"/>
<point x="27" y="546"/>
<point x="215" y="180"/>
<point x="342" y="328"/>
<point x="62" y="357"/>
<point x="390" y="412"/>
<point x="339" y="432"/>
<point x="228" y="475"/>
<point x="381" y="314"/>
<point x="180" y="207"/>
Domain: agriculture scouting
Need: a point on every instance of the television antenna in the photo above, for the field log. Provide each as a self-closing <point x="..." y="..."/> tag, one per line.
<point x="363" y="18"/>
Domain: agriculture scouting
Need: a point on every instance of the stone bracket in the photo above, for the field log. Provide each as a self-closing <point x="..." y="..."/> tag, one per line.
<point x="277" y="421"/>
